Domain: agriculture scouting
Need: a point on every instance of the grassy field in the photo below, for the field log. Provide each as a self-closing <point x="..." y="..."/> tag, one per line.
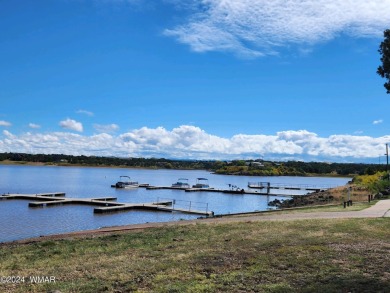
<point x="357" y="206"/>
<point x="348" y="255"/>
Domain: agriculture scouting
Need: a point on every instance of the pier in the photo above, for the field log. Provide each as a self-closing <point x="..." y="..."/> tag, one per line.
<point x="303" y="187"/>
<point x="46" y="196"/>
<point x="105" y="204"/>
<point x="166" y="205"/>
<point x="230" y="191"/>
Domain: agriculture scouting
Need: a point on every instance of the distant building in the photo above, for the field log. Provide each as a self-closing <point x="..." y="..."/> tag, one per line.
<point x="254" y="164"/>
<point x="257" y="164"/>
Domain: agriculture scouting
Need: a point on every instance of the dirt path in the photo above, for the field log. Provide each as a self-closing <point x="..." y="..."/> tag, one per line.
<point x="379" y="210"/>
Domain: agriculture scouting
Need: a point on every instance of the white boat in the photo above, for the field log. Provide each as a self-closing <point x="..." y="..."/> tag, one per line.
<point x="201" y="183"/>
<point x="181" y="183"/>
<point x="125" y="182"/>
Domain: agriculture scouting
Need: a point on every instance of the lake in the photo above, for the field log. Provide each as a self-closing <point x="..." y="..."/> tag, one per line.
<point x="18" y="221"/>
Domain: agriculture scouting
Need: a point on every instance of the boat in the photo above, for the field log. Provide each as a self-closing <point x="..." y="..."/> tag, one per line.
<point x="125" y="182"/>
<point x="201" y="183"/>
<point x="181" y="183"/>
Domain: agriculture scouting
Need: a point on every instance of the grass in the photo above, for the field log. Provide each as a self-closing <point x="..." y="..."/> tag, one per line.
<point x="339" y="207"/>
<point x="294" y="256"/>
<point x="356" y="206"/>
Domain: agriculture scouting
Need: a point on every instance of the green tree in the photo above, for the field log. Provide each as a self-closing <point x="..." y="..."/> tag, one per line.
<point x="384" y="69"/>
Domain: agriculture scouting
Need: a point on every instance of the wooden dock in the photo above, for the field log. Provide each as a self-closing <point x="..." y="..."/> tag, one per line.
<point x="37" y="196"/>
<point x="167" y="206"/>
<point x="234" y="191"/>
<point x="106" y="204"/>
<point x="230" y="191"/>
<point x="139" y="185"/>
<point x="165" y="187"/>
<point x="304" y="187"/>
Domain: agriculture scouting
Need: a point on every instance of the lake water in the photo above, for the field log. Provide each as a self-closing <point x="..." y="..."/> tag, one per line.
<point x="18" y="221"/>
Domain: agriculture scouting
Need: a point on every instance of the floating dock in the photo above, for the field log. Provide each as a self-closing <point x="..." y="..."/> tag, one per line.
<point x="164" y="187"/>
<point x="139" y="185"/>
<point x="230" y="191"/>
<point x="106" y="204"/>
<point x="304" y="187"/>
<point x="45" y="196"/>
<point x="167" y="206"/>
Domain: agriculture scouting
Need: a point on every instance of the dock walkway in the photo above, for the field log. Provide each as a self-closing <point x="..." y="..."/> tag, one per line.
<point x="303" y="187"/>
<point x="231" y="191"/>
<point x="106" y="204"/>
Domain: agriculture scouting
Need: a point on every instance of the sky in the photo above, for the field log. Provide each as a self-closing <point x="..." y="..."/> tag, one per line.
<point x="195" y="79"/>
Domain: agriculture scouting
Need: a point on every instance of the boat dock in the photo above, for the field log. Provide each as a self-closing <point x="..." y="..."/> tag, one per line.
<point x="139" y="185"/>
<point x="48" y="196"/>
<point x="106" y="204"/>
<point x="164" y="187"/>
<point x="230" y="191"/>
<point x="167" y="206"/>
<point x="303" y="187"/>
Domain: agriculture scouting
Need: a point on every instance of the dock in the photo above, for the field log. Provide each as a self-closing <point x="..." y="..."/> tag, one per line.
<point x="167" y="206"/>
<point x="230" y="191"/>
<point x="139" y="185"/>
<point x="165" y="187"/>
<point x="303" y="187"/>
<point x="37" y="196"/>
<point x="105" y="204"/>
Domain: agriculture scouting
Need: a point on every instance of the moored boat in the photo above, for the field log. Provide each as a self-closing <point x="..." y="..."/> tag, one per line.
<point x="201" y="183"/>
<point x="125" y="182"/>
<point x="181" y="183"/>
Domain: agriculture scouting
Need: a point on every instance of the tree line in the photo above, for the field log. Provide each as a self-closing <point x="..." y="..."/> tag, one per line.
<point x="64" y="160"/>
<point x="298" y="168"/>
<point x="235" y="167"/>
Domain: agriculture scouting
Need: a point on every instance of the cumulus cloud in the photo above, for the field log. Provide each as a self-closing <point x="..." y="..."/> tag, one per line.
<point x="377" y="121"/>
<point x="255" y="28"/>
<point x="72" y="125"/>
<point x="5" y="123"/>
<point x="85" y="112"/>
<point x="191" y="142"/>
<point x="109" y="128"/>
<point x="34" y="126"/>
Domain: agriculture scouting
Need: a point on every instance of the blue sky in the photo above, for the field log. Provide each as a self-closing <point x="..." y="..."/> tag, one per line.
<point x="194" y="79"/>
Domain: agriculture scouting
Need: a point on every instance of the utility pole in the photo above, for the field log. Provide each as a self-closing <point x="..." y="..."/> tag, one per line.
<point x="387" y="161"/>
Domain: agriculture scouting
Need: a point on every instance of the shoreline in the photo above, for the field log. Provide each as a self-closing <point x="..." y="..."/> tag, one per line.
<point x="132" y="227"/>
<point x="381" y="209"/>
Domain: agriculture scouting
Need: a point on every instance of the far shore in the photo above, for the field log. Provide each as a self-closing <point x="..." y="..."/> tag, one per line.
<point x="25" y="163"/>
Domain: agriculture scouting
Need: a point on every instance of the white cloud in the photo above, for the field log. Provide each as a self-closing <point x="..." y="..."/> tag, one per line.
<point x="5" y="123"/>
<point x="255" y="28"/>
<point x="72" y="125"/>
<point x="377" y="122"/>
<point x="109" y="128"/>
<point x="7" y="134"/>
<point x="84" y="112"/>
<point x="191" y="142"/>
<point x="34" y="126"/>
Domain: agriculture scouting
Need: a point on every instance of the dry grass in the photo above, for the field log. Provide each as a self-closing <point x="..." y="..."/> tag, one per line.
<point x="293" y="256"/>
<point x="358" y="193"/>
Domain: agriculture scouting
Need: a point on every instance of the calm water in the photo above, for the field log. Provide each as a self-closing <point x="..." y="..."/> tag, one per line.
<point x="18" y="221"/>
